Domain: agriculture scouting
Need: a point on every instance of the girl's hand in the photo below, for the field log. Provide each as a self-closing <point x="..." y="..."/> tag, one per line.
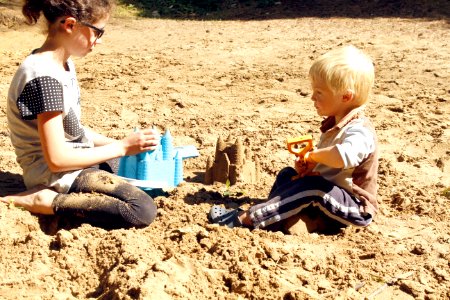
<point x="61" y="157"/>
<point x="140" y="141"/>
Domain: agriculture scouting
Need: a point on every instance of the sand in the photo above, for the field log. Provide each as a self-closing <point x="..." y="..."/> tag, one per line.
<point x="247" y="79"/>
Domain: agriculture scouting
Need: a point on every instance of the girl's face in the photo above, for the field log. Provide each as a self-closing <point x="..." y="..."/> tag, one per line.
<point x="326" y="102"/>
<point x="87" y="36"/>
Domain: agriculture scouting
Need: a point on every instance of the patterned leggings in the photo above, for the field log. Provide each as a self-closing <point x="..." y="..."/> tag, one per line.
<point x="103" y="199"/>
<point x="288" y="197"/>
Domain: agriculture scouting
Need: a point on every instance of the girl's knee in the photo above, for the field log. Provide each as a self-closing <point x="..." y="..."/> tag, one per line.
<point x="143" y="212"/>
<point x="148" y="213"/>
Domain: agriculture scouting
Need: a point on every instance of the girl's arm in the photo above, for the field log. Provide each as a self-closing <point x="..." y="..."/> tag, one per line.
<point x="61" y="157"/>
<point x="97" y="138"/>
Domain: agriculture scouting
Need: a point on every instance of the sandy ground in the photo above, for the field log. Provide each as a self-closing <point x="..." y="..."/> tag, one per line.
<point x="205" y="79"/>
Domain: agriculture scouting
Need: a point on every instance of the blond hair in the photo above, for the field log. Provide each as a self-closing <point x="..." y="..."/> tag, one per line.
<point x="343" y="69"/>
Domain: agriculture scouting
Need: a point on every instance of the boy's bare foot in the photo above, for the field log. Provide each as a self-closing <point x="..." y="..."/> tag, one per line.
<point x="37" y="200"/>
<point x="245" y="220"/>
<point x="302" y="223"/>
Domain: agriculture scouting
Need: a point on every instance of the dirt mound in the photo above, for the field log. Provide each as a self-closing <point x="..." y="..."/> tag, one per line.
<point x="10" y="17"/>
<point x="245" y="79"/>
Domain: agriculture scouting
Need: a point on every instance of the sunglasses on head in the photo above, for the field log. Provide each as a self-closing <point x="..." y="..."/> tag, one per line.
<point x="97" y="31"/>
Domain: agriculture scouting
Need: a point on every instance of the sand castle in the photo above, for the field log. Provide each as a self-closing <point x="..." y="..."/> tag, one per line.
<point x="232" y="162"/>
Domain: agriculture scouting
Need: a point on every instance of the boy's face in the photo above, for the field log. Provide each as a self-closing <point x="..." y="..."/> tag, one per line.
<point x="326" y="102"/>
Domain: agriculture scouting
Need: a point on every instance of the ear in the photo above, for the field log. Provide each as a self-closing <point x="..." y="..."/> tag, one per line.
<point x="68" y="23"/>
<point x="348" y="96"/>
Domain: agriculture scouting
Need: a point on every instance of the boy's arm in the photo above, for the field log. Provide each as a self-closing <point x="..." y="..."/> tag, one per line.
<point x="329" y="156"/>
<point x="357" y="143"/>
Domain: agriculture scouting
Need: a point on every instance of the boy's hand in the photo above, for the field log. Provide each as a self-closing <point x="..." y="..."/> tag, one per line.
<point x="304" y="166"/>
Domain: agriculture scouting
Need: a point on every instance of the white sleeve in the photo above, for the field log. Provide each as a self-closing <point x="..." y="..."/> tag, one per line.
<point x="357" y="143"/>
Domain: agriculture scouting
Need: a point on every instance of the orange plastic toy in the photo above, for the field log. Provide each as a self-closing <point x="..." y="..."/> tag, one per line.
<point x="300" y="145"/>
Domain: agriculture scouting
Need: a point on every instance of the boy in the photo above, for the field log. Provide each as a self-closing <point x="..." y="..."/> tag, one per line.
<point x="339" y="176"/>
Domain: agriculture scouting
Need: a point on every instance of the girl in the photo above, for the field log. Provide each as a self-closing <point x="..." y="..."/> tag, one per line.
<point x="65" y="164"/>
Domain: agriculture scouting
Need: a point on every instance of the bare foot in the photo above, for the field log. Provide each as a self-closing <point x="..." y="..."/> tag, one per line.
<point x="303" y="223"/>
<point x="244" y="218"/>
<point x="37" y="200"/>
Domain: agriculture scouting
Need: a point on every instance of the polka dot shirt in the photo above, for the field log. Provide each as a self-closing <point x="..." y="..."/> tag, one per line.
<point x="40" y="86"/>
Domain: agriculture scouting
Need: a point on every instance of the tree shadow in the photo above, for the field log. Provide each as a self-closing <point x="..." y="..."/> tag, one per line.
<point x="273" y="9"/>
<point x="270" y="9"/>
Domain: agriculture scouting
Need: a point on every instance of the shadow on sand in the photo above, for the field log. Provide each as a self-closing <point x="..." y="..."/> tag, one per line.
<point x="254" y="10"/>
<point x="10" y="183"/>
<point x="271" y="9"/>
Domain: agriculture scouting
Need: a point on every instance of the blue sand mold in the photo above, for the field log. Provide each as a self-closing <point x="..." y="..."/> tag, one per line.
<point x="164" y="164"/>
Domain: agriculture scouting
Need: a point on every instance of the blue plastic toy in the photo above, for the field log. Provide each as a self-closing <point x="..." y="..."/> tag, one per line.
<point x="160" y="168"/>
